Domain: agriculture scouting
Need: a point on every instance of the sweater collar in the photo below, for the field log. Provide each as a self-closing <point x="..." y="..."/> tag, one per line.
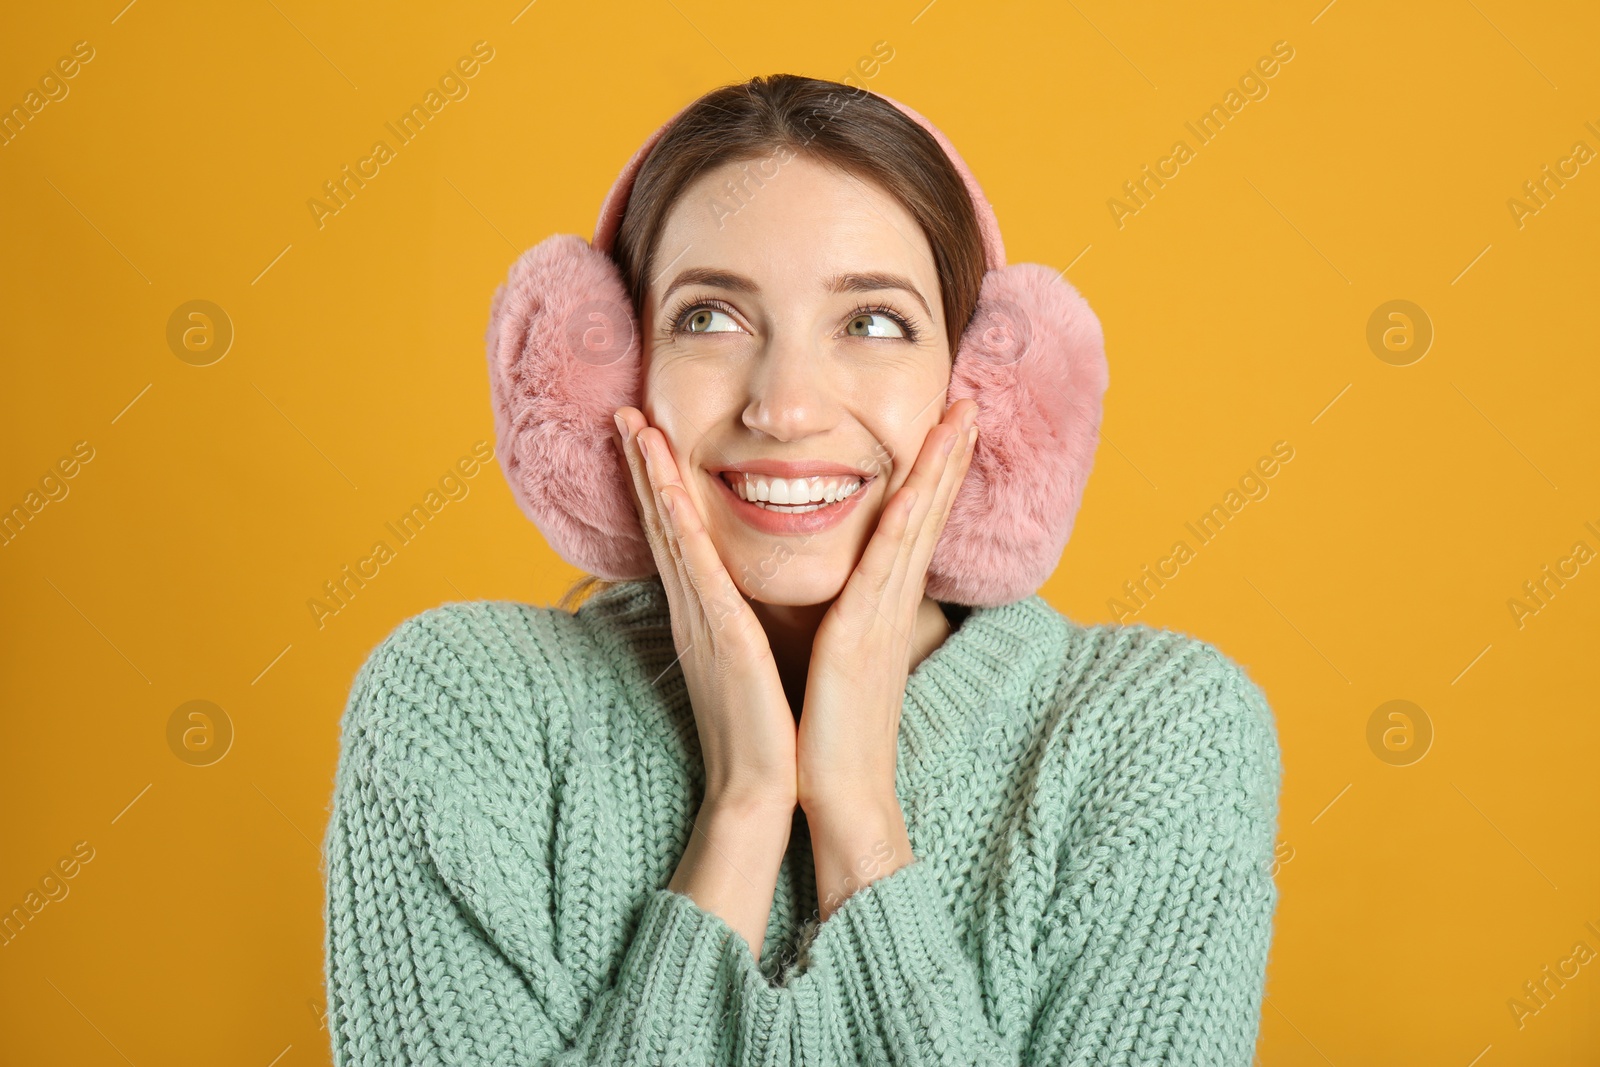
<point x="982" y="678"/>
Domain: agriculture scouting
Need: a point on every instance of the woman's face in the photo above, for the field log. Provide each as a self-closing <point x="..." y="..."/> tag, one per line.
<point x="795" y="349"/>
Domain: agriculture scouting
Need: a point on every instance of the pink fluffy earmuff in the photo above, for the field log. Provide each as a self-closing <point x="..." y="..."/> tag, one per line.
<point x="564" y="351"/>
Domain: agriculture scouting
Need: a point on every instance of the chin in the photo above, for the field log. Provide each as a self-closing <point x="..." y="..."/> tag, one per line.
<point x="797" y="583"/>
<point x="788" y="571"/>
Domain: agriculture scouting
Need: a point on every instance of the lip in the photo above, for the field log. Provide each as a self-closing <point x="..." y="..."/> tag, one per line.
<point x="789" y="468"/>
<point x="778" y="523"/>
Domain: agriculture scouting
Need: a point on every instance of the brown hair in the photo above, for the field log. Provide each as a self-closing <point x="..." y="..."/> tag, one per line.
<point x="590" y="585"/>
<point x="827" y="121"/>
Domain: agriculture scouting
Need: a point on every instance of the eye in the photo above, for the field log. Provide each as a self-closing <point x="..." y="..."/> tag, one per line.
<point x="704" y="318"/>
<point x="889" y="324"/>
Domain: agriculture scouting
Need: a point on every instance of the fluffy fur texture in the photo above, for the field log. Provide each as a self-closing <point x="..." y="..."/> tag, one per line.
<point x="564" y="353"/>
<point x="1034" y="360"/>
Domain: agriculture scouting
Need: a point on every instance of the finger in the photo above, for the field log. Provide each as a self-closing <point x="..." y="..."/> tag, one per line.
<point x="705" y="577"/>
<point x="655" y="527"/>
<point x="871" y="578"/>
<point x="942" y="453"/>
<point x="938" y="514"/>
<point x="933" y="476"/>
<point x="933" y="525"/>
<point x="669" y="524"/>
<point x="955" y="453"/>
<point x="720" y="599"/>
<point x="879" y="575"/>
<point x="866" y="602"/>
<point x="643" y="491"/>
<point x="662" y="470"/>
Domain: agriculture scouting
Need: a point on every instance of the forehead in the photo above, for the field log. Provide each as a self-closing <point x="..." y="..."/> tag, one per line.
<point x="790" y="226"/>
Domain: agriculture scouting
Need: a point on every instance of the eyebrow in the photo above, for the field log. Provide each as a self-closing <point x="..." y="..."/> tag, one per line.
<point x="855" y="282"/>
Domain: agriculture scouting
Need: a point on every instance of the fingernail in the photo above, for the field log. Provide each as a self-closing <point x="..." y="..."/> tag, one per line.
<point x="970" y="418"/>
<point x="972" y="436"/>
<point x="622" y="427"/>
<point x="950" y="443"/>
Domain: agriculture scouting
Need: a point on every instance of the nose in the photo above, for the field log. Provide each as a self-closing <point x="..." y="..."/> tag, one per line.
<point x="790" y="395"/>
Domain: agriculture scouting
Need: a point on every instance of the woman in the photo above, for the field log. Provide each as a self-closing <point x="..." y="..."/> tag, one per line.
<point x="776" y="798"/>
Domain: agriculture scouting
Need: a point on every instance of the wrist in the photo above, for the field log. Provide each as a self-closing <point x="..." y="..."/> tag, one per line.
<point x="756" y="810"/>
<point x="750" y="792"/>
<point x="839" y="805"/>
<point x="853" y="844"/>
<point x="730" y="864"/>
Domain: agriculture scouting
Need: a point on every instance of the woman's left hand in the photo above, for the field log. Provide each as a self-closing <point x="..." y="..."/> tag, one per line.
<point x="848" y="736"/>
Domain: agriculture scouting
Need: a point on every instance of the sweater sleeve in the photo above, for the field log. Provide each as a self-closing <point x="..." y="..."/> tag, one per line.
<point x="1154" y="944"/>
<point x="437" y="949"/>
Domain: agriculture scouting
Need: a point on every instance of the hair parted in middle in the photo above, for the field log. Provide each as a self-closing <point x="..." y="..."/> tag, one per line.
<point x="769" y="120"/>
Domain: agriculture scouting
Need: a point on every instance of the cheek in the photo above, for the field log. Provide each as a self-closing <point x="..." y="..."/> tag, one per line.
<point x="902" y="422"/>
<point x="690" y="395"/>
<point x="676" y="415"/>
<point x="895" y="409"/>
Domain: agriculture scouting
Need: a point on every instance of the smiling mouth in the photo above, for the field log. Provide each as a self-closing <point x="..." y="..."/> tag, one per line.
<point x="793" y="496"/>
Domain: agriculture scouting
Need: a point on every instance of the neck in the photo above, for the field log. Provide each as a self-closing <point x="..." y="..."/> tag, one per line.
<point x="792" y="631"/>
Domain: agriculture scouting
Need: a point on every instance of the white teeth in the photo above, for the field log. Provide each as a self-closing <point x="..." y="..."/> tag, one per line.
<point x="794" y="495"/>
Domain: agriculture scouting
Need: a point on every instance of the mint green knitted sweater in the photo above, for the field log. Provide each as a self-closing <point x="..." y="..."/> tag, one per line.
<point x="1092" y="811"/>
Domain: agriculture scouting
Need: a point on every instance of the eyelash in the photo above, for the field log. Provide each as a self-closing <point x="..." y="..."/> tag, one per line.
<point x="688" y="304"/>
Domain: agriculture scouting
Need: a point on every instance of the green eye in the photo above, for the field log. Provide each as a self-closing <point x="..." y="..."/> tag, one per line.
<point x="886" y="326"/>
<point x="704" y="320"/>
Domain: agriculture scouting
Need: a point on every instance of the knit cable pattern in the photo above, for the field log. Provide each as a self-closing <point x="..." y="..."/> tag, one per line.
<point x="1092" y="812"/>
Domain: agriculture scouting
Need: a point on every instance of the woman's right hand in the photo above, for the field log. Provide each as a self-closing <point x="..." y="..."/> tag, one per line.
<point x="746" y="726"/>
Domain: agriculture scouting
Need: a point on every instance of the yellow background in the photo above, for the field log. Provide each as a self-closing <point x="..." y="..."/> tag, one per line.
<point x="1416" y="900"/>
